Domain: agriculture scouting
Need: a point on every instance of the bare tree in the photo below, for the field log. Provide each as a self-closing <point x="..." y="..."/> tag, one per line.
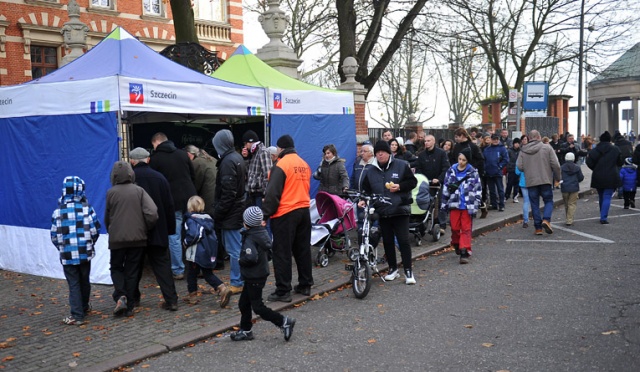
<point x="184" y="23"/>
<point x="404" y="84"/>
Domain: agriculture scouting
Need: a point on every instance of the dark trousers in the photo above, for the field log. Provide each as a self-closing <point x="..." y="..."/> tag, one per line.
<point x="292" y="236"/>
<point x="125" y="265"/>
<point x="160" y="263"/>
<point x="251" y="299"/>
<point x="396" y="227"/>
<point x="629" y="197"/>
<point x="513" y="181"/>
<point x="485" y="189"/>
<point x="79" y="288"/>
<point x="221" y="251"/>
<point x="496" y="191"/>
<point x="192" y="277"/>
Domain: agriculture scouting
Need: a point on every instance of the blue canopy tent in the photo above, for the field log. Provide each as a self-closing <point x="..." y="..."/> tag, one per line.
<point x="312" y="115"/>
<point x="67" y="123"/>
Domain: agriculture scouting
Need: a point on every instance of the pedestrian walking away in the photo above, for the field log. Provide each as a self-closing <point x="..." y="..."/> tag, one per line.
<point x="157" y="249"/>
<point x="74" y="232"/>
<point x="570" y="186"/>
<point x="286" y="203"/>
<point x="129" y="216"/>
<point x="254" y="266"/>
<point x="604" y="160"/>
<point x="541" y="167"/>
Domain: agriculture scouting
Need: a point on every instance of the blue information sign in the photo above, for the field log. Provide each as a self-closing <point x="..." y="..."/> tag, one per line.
<point x="535" y="96"/>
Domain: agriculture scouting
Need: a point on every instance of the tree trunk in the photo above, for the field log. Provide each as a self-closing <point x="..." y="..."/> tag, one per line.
<point x="184" y="23"/>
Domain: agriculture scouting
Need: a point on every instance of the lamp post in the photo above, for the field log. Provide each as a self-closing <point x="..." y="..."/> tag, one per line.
<point x="580" y="63"/>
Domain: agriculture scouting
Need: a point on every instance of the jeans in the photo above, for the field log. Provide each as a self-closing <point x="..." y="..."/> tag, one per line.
<point x="79" y="288"/>
<point x="526" y="204"/>
<point x="546" y="192"/>
<point x="604" y="201"/>
<point x="175" y="247"/>
<point x="251" y="299"/>
<point x="192" y="277"/>
<point x="496" y="191"/>
<point x="232" y="241"/>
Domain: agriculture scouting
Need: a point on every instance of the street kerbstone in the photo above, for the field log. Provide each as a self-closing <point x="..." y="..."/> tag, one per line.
<point x="32" y="337"/>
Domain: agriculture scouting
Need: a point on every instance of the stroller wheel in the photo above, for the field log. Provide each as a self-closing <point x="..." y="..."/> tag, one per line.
<point x="418" y="241"/>
<point x="323" y="260"/>
<point x="435" y="232"/>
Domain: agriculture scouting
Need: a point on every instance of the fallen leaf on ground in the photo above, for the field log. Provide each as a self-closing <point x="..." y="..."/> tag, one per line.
<point x="468" y="325"/>
<point x="487" y="344"/>
<point x="372" y="341"/>
<point x="7" y="358"/>
<point x="607" y="333"/>
<point x="76" y="354"/>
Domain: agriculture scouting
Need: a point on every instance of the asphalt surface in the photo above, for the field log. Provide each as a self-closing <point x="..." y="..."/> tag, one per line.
<point x="32" y="337"/>
<point x="562" y="302"/>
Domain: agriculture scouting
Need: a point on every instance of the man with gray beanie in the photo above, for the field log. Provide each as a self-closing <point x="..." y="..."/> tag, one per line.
<point x="230" y="201"/>
<point x="157" y="249"/>
<point x="286" y="202"/>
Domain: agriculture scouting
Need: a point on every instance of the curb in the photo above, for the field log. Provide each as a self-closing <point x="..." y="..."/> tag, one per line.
<point x="178" y="342"/>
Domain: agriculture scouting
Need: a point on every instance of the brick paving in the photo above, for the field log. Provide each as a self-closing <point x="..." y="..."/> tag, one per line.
<point x="32" y="337"/>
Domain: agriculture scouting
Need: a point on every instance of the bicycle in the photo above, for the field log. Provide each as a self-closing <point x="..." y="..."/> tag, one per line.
<point x="365" y="257"/>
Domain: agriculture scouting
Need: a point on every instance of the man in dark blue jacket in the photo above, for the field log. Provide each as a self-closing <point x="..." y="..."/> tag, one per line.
<point x="495" y="159"/>
<point x="157" y="250"/>
<point x="394" y="179"/>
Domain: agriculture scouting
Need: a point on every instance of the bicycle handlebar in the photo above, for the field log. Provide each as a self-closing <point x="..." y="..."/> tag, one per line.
<point x="356" y="194"/>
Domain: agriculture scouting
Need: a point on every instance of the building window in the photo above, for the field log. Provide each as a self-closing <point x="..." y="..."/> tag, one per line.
<point x="210" y="10"/>
<point x="103" y="4"/>
<point x="43" y="61"/>
<point x="153" y="7"/>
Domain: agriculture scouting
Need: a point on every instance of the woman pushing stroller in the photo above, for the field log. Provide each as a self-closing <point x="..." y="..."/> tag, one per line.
<point x="462" y="196"/>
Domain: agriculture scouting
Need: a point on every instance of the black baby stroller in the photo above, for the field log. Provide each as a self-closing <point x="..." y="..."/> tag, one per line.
<point x="424" y="211"/>
<point x="330" y="232"/>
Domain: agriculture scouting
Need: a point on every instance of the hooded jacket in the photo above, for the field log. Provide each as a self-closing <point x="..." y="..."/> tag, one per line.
<point x="539" y="163"/>
<point x="571" y="177"/>
<point x="258" y="238"/>
<point x="230" y="183"/>
<point x="176" y="167"/>
<point x="76" y="245"/>
<point x="396" y="171"/>
<point x="604" y="160"/>
<point x="205" y="182"/>
<point x="154" y="183"/>
<point x="462" y="189"/>
<point x="332" y="175"/>
<point x="628" y="177"/>
<point x="130" y="211"/>
<point x="200" y="239"/>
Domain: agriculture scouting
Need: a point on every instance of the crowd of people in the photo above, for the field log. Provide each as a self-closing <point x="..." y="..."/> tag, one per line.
<point x="186" y="211"/>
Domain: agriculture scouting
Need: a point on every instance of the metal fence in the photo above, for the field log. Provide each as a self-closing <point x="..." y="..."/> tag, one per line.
<point x="546" y="125"/>
<point x="376" y="133"/>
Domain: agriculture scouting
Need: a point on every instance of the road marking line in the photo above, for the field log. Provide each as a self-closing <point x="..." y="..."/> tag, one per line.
<point x="596" y="239"/>
<point x="610" y="217"/>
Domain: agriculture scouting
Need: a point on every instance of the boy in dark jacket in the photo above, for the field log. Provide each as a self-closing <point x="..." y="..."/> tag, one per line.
<point x="74" y="231"/>
<point x="570" y="186"/>
<point x="254" y="268"/>
<point x="628" y="176"/>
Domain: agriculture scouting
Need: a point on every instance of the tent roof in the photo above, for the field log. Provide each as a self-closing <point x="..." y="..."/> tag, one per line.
<point x="243" y="67"/>
<point x="121" y="54"/>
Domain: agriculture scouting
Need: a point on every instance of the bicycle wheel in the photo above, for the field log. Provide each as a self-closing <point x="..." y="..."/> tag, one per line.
<point x="361" y="278"/>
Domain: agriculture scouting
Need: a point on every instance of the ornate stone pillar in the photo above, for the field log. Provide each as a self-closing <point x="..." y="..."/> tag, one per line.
<point x="603" y="122"/>
<point x="634" y="108"/>
<point x="350" y="68"/>
<point x="591" y="119"/>
<point x="276" y="53"/>
<point x="74" y="34"/>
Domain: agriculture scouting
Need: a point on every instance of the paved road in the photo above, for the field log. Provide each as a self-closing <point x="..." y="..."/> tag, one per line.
<point x="566" y="302"/>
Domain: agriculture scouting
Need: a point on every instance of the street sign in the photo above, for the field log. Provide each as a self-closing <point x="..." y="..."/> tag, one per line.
<point x="513" y="95"/>
<point x="535" y="95"/>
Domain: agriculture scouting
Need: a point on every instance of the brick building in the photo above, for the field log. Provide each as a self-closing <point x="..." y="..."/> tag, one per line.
<point x="31" y="42"/>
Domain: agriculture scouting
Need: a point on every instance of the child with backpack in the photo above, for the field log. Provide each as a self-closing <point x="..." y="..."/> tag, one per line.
<point x="628" y="176"/>
<point x="75" y="231"/>
<point x="201" y="244"/>
<point x="254" y="268"/>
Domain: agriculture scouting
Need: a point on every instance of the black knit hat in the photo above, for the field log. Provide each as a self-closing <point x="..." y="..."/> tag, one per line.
<point x="382" y="145"/>
<point x="515" y="140"/>
<point x="285" y="141"/>
<point x="250" y="136"/>
<point x="466" y="152"/>
<point x="605" y="137"/>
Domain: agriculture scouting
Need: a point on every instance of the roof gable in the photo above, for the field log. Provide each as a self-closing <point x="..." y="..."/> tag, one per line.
<point x="627" y="67"/>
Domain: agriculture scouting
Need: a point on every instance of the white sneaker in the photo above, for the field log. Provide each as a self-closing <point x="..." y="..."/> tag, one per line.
<point x="391" y="275"/>
<point x="515" y="199"/>
<point x="409" y="279"/>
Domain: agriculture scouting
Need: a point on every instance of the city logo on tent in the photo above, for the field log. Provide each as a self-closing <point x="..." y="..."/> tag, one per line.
<point x="277" y="101"/>
<point x="136" y="94"/>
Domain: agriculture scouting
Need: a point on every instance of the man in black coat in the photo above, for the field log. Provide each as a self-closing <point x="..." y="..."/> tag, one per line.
<point x="433" y="162"/>
<point x="156" y="251"/>
<point x="176" y="167"/>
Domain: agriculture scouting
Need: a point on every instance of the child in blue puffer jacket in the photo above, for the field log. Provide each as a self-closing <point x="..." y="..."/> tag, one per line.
<point x="628" y="175"/>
